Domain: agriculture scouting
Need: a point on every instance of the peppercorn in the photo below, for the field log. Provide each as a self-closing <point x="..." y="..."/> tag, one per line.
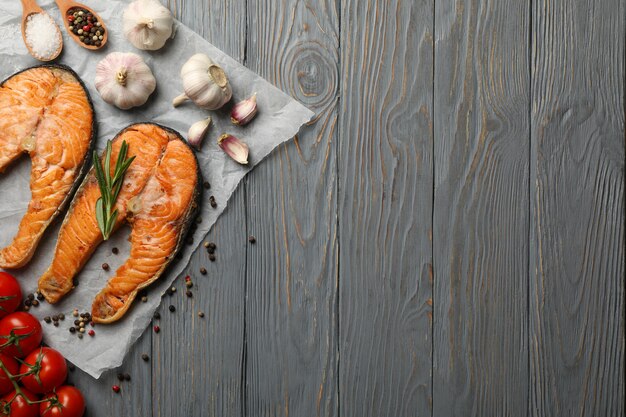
<point x="91" y="333"/>
<point x="80" y="335"/>
<point x="26" y="308"/>
<point x="27" y="303"/>
<point x="115" y="251"/>
<point x="76" y="322"/>
<point x="62" y="316"/>
<point x="31" y="297"/>
<point x="203" y="271"/>
<point x="145" y="357"/>
<point x="213" y="202"/>
<point x="189" y="293"/>
<point x="188" y="284"/>
<point x="200" y="314"/>
<point x="144" y="299"/>
<point x="212" y="257"/>
<point x="156" y="315"/>
<point x="211" y="247"/>
<point x="120" y="377"/>
<point x="35" y="303"/>
<point x="105" y="266"/>
<point x="82" y="330"/>
<point x="75" y="312"/>
<point x="127" y="377"/>
<point x="252" y="239"/>
<point x="55" y="318"/>
<point x="173" y="289"/>
<point x="115" y="388"/>
<point x="40" y="296"/>
<point x="55" y="324"/>
<point x="47" y="319"/>
<point x="172" y="308"/>
<point x="207" y="185"/>
<point x="72" y="329"/>
<point x="156" y="329"/>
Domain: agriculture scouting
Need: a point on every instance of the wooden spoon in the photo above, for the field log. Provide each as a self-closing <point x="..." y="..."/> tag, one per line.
<point x="30" y="8"/>
<point x="64" y="6"/>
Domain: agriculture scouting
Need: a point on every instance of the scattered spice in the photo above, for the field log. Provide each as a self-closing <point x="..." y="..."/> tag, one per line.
<point x="173" y="289"/>
<point x="85" y="26"/>
<point x="213" y="202"/>
<point x="115" y="251"/>
<point x="47" y="319"/>
<point x="188" y="284"/>
<point x="127" y="377"/>
<point x="31" y="297"/>
<point x="75" y="312"/>
<point x="212" y="257"/>
<point x="145" y="357"/>
<point x="120" y="377"/>
<point x="80" y="335"/>
<point x="72" y="329"/>
<point x="40" y="296"/>
<point x="207" y="185"/>
<point x="156" y="315"/>
<point x="200" y="314"/>
<point x="115" y="388"/>
<point x="82" y="330"/>
<point x="27" y="302"/>
<point x="144" y="299"/>
<point x="203" y="271"/>
<point x="189" y="293"/>
<point x="35" y="303"/>
<point x="105" y="266"/>
<point x="252" y="239"/>
<point x="62" y="316"/>
<point x="91" y="333"/>
<point x="211" y="247"/>
<point x="156" y="329"/>
<point x="42" y="36"/>
<point x="172" y="309"/>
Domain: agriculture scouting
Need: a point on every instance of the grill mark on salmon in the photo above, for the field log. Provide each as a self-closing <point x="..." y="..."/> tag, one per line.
<point x="159" y="199"/>
<point x="45" y="111"/>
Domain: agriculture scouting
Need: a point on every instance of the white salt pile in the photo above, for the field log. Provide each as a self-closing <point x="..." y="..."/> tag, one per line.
<point x="42" y="36"/>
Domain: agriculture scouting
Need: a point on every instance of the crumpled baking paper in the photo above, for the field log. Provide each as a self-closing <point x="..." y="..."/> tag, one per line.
<point x="279" y="119"/>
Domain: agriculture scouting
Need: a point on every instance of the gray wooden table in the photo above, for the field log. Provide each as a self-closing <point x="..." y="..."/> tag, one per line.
<point x="445" y="239"/>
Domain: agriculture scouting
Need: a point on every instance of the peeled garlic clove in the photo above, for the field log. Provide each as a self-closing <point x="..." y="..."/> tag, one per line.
<point x="197" y="131"/>
<point x="234" y="148"/>
<point x="244" y="111"/>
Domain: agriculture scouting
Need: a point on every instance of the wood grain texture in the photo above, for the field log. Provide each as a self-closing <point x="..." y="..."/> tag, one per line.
<point x="134" y="398"/>
<point x="385" y="208"/>
<point x="577" y="180"/>
<point x="198" y="361"/>
<point x="481" y="208"/>
<point x="291" y="320"/>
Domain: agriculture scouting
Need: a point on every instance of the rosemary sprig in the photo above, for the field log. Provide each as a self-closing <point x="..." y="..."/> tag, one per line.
<point x="109" y="186"/>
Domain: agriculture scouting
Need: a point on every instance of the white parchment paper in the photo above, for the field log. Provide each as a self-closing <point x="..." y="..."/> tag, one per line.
<point x="279" y="119"/>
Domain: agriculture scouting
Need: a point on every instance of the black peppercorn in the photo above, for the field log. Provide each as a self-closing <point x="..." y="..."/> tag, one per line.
<point x="156" y="315"/>
<point x="145" y="357"/>
<point x="172" y="309"/>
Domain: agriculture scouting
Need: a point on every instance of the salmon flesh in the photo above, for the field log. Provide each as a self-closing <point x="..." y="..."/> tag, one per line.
<point x="46" y="112"/>
<point x="159" y="199"/>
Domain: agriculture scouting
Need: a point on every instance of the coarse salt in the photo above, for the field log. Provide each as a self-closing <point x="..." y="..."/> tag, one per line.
<point x="42" y="36"/>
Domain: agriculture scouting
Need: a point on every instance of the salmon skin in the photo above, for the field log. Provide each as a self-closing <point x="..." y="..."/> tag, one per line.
<point x="45" y="111"/>
<point x="159" y="199"/>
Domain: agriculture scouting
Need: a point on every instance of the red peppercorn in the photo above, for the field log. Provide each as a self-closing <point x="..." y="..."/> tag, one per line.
<point x="70" y="18"/>
<point x="92" y="324"/>
<point x="157" y="329"/>
<point x="91" y="333"/>
<point x="187" y="278"/>
<point x="115" y="388"/>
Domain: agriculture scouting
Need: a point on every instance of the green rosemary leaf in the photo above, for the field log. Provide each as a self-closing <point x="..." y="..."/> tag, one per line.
<point x="110" y="187"/>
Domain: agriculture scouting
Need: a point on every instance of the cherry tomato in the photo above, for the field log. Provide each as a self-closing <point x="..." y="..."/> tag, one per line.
<point x="5" y="382"/>
<point x="69" y="403"/>
<point x="20" y="334"/>
<point x="10" y="294"/>
<point x="49" y="370"/>
<point x="19" y="407"/>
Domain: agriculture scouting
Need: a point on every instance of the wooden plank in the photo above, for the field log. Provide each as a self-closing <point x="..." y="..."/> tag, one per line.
<point x="291" y="321"/>
<point x="385" y="208"/>
<point x="577" y="194"/>
<point x="134" y="398"/>
<point x="198" y="361"/>
<point x="481" y="209"/>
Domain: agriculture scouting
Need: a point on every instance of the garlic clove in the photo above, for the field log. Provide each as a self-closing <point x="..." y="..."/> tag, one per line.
<point x="244" y="111"/>
<point x="179" y="100"/>
<point x="234" y="148"/>
<point x="197" y="132"/>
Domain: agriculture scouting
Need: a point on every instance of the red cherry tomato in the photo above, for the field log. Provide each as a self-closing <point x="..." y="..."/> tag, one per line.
<point x="69" y="403"/>
<point x="16" y="406"/>
<point x="5" y="382"/>
<point x="49" y="370"/>
<point x="20" y="333"/>
<point x="10" y="294"/>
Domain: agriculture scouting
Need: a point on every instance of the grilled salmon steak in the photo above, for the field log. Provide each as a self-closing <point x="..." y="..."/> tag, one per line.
<point x="46" y="112"/>
<point x="159" y="198"/>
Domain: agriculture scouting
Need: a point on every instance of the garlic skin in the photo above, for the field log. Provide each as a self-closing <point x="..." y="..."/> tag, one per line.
<point x="147" y="24"/>
<point x="197" y="132"/>
<point x="124" y="80"/>
<point x="234" y="148"/>
<point x="244" y="111"/>
<point x="205" y="83"/>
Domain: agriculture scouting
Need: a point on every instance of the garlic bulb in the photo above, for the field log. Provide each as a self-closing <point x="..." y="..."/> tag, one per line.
<point x="124" y="80"/>
<point x="147" y="24"/>
<point x="205" y="83"/>
<point x="197" y="132"/>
